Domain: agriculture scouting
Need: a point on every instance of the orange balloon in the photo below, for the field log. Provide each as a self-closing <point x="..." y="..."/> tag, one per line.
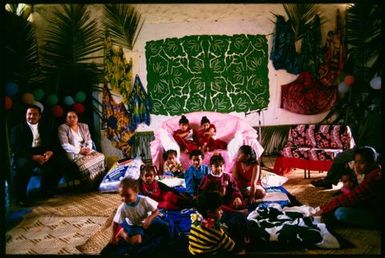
<point x="28" y="98"/>
<point x="8" y="103"/>
<point x="349" y="80"/>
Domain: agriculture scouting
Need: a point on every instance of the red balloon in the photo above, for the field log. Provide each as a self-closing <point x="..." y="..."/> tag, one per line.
<point x="349" y="80"/>
<point x="8" y="103"/>
<point x="78" y="108"/>
<point x="57" y="111"/>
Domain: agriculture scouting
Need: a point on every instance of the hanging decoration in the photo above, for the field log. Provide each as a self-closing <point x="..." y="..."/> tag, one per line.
<point x="78" y="108"/>
<point x="52" y="99"/>
<point x="309" y="94"/>
<point x="68" y="100"/>
<point x="27" y="98"/>
<point x="208" y="72"/>
<point x="57" y="111"/>
<point x="283" y="54"/>
<point x="8" y="103"/>
<point x="80" y="96"/>
<point x="116" y="70"/>
<point x="38" y="94"/>
<point x="139" y="105"/>
<point x="306" y="96"/>
<point x="116" y="121"/>
<point x="375" y="83"/>
<point x="11" y="89"/>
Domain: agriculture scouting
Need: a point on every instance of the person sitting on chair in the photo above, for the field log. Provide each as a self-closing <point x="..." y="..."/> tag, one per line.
<point x="33" y="147"/>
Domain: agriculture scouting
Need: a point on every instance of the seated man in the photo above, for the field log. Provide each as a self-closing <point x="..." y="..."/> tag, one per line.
<point x="33" y="147"/>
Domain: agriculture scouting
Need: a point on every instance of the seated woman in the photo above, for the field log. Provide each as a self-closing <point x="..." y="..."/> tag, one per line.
<point x="224" y="184"/>
<point x="206" y="137"/>
<point x="362" y="206"/>
<point x="185" y="136"/>
<point x="76" y="140"/>
<point x="247" y="174"/>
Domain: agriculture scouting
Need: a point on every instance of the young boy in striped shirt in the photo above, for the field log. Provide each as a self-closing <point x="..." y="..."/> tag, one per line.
<point x="207" y="235"/>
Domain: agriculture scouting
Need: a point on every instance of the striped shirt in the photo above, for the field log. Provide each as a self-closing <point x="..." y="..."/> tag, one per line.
<point x="204" y="240"/>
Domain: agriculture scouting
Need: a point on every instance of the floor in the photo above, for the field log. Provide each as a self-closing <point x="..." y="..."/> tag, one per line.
<point x="77" y="203"/>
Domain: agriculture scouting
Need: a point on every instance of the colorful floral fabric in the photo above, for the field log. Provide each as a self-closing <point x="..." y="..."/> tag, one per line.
<point x="317" y="142"/>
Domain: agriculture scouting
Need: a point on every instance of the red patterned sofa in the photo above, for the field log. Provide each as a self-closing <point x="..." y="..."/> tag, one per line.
<point x="313" y="147"/>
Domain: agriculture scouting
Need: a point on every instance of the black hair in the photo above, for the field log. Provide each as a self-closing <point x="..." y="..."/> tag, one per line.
<point x="368" y="153"/>
<point x="183" y="120"/>
<point x="205" y="120"/>
<point x="72" y="111"/>
<point x="147" y="168"/>
<point x="129" y="183"/>
<point x="34" y="107"/>
<point x="196" y="153"/>
<point x="217" y="159"/>
<point x="167" y="153"/>
<point x="350" y="173"/>
<point x="208" y="201"/>
<point x="247" y="150"/>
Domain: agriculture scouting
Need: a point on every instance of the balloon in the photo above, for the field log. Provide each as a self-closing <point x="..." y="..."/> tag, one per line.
<point x="8" y="103"/>
<point x="52" y="99"/>
<point x="349" y="80"/>
<point x="57" y="111"/>
<point x="11" y="89"/>
<point x="39" y="94"/>
<point x="342" y="88"/>
<point x="78" y="108"/>
<point x="68" y="100"/>
<point x="375" y="83"/>
<point x="27" y="98"/>
<point x="80" y="96"/>
<point x="40" y="105"/>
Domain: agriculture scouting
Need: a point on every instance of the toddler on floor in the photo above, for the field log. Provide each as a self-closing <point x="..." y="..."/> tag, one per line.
<point x="195" y="172"/>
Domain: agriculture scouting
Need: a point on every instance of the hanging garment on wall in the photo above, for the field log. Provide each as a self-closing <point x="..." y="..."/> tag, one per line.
<point x="283" y="54"/>
<point x="116" y="121"/>
<point x="139" y="104"/>
<point x="117" y="71"/>
<point x="208" y="72"/>
<point x="335" y="56"/>
<point x="306" y="96"/>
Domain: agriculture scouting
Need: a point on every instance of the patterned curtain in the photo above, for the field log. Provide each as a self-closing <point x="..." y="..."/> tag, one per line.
<point x="141" y="145"/>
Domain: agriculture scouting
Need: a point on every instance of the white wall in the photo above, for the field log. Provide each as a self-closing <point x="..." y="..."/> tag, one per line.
<point x="178" y="20"/>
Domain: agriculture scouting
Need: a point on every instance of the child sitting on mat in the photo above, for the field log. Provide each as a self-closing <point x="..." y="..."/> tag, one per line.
<point x="225" y="184"/>
<point x="247" y="174"/>
<point x="171" y="166"/>
<point x="131" y="218"/>
<point x="195" y="172"/>
<point x="167" y="197"/>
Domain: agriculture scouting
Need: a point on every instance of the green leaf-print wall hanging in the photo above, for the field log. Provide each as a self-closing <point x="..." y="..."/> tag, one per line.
<point x="211" y="73"/>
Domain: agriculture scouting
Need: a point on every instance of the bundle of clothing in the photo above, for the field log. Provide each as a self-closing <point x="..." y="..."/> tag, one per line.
<point x="289" y="228"/>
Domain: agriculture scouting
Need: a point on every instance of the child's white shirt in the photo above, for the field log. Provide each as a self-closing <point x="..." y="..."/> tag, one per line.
<point x="135" y="215"/>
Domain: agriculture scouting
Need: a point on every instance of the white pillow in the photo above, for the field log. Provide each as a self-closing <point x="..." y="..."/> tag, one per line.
<point x="269" y="179"/>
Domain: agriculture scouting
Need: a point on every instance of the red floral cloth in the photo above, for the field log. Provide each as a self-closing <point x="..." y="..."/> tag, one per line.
<point x="306" y="96"/>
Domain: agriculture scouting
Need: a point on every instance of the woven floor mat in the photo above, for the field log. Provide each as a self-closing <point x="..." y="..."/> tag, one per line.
<point x="99" y="240"/>
<point x="78" y="204"/>
<point x="52" y="234"/>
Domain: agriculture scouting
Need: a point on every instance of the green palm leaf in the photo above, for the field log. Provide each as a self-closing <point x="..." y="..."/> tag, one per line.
<point x="20" y="49"/>
<point x="300" y="17"/>
<point x="123" y="24"/>
<point x="71" y="38"/>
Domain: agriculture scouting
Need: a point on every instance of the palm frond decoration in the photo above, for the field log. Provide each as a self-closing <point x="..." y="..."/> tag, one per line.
<point x="21" y="53"/>
<point x="123" y="24"/>
<point x="363" y="29"/>
<point x="300" y="17"/>
<point x="363" y="35"/>
<point x="72" y="38"/>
